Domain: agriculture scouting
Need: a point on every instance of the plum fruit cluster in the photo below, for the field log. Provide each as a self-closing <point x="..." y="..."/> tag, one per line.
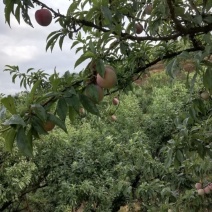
<point x="203" y="190"/>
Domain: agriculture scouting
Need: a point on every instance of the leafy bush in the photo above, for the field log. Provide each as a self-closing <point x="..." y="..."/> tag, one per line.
<point x="149" y="156"/>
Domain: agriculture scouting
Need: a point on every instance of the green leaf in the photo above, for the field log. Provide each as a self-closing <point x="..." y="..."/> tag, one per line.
<point x="78" y="49"/>
<point x="176" y="163"/>
<point x="72" y="113"/>
<point x="91" y="46"/>
<point x="55" y="82"/>
<point x="198" y="19"/>
<point x="57" y="121"/>
<point x="9" y="137"/>
<point x="9" y="103"/>
<point x="89" y="105"/>
<point x="84" y="57"/>
<point x="37" y="126"/>
<point x="100" y="67"/>
<point x="28" y="3"/>
<point x="123" y="48"/>
<point x="39" y="111"/>
<point x="184" y="55"/>
<point x="208" y="5"/>
<point x="61" y="41"/>
<point x="179" y="156"/>
<point x="208" y="19"/>
<point x="68" y="77"/>
<point x="74" y="102"/>
<point x="74" y="43"/>
<point x="169" y="159"/>
<point x="29" y="70"/>
<point x="14" y="77"/>
<point x="207" y="79"/>
<point x="69" y="92"/>
<point x="33" y="90"/>
<point x="107" y="13"/>
<point x="62" y="108"/>
<point x="207" y="38"/>
<point x="192" y="114"/>
<point x="93" y="92"/>
<point x="201" y="150"/>
<point x="172" y="67"/>
<point x="17" y="13"/>
<point x="23" y="142"/>
<point x="8" y="10"/>
<point x="29" y="138"/>
<point x="16" y="120"/>
<point x="25" y="14"/>
<point x="35" y="133"/>
<point x="72" y="7"/>
<point x="51" y="34"/>
<point x="51" y="42"/>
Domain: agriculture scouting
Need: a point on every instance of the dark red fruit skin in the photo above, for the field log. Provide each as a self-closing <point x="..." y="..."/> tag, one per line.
<point x="139" y="28"/>
<point x="43" y="17"/>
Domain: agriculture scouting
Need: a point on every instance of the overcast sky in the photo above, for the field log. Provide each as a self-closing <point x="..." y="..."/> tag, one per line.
<point x="24" y="46"/>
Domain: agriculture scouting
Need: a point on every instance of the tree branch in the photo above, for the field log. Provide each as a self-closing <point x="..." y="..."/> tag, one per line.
<point x="193" y="6"/>
<point x="181" y="31"/>
<point x="34" y="187"/>
<point x="168" y="56"/>
<point x="178" y="25"/>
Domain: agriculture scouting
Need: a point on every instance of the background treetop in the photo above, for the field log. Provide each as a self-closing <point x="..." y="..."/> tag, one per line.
<point x="120" y="40"/>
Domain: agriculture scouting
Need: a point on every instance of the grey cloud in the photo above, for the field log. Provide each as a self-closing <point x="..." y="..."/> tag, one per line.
<point x="22" y="36"/>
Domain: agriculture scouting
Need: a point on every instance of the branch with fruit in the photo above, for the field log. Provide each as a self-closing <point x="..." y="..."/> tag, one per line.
<point x="207" y="189"/>
<point x="121" y="43"/>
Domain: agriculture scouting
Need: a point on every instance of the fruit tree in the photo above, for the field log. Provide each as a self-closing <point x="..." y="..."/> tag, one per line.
<point x="121" y="39"/>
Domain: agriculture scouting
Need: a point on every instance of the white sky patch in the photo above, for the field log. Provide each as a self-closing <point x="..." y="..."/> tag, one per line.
<point x="21" y="53"/>
<point x="24" y="46"/>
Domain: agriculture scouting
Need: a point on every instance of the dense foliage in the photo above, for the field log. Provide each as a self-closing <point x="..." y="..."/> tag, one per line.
<point x="124" y="38"/>
<point x="144" y="161"/>
<point x="151" y="150"/>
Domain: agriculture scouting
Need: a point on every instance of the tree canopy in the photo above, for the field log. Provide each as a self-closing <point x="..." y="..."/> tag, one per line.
<point x="124" y="37"/>
<point x="153" y="158"/>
